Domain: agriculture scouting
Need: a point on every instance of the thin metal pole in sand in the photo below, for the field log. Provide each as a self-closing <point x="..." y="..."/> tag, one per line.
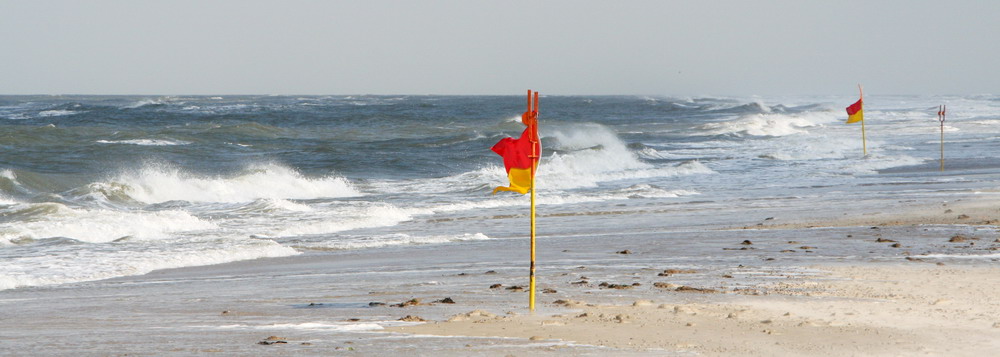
<point x="941" y="110"/>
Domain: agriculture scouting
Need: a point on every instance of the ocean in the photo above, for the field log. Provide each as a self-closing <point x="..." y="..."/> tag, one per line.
<point x="99" y="187"/>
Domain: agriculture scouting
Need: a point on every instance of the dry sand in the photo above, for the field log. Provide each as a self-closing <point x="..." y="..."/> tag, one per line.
<point x="873" y="310"/>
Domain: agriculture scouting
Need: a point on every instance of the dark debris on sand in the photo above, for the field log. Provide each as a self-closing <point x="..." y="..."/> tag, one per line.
<point x="272" y="340"/>
<point x="617" y="286"/>
<point x="669" y="272"/>
<point x="408" y="303"/>
<point x="959" y="238"/>
<point x="446" y="300"/>
<point x="684" y="288"/>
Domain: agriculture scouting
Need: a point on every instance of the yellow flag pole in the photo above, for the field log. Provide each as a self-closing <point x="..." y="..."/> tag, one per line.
<point x="531" y="277"/>
<point x="534" y="162"/>
<point x="864" y="145"/>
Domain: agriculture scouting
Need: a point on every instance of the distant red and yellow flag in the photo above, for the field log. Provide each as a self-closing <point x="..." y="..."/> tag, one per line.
<point x="520" y="156"/>
<point x="855" y="112"/>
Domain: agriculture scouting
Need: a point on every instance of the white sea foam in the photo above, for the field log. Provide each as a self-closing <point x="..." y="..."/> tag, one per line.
<point x="49" y="220"/>
<point x="590" y="154"/>
<point x="305" y="326"/>
<point x="89" y="263"/>
<point x="57" y="113"/>
<point x="768" y="124"/>
<point x="4" y="200"/>
<point x="18" y="116"/>
<point x="653" y="154"/>
<point x="548" y="197"/>
<point x="289" y="205"/>
<point x="146" y="142"/>
<point x="364" y="242"/>
<point x="348" y="218"/>
<point x="805" y="147"/>
<point x="875" y="162"/>
<point x="992" y="123"/>
<point x="8" y="174"/>
<point x="149" y="101"/>
<point x="595" y="154"/>
<point x="651" y="191"/>
<point x="579" y="171"/>
<point x="154" y="184"/>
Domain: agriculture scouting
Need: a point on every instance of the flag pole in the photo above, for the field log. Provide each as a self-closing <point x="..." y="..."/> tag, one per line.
<point x="864" y="145"/>
<point x="534" y="162"/>
<point x="941" y="110"/>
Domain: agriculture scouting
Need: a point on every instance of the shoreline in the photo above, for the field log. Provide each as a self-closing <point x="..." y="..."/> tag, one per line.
<point x="972" y="209"/>
<point x="904" y="288"/>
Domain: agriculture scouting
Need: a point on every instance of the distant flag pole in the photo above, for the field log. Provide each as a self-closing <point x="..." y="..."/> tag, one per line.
<point x="856" y="113"/>
<point x="520" y="159"/>
<point x="941" y="112"/>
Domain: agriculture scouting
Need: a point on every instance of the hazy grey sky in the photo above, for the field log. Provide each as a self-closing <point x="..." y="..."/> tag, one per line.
<point x="726" y="47"/>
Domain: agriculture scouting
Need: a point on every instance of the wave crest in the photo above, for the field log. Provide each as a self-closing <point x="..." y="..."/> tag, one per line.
<point x="50" y="220"/>
<point x="156" y="184"/>
<point x="766" y="124"/>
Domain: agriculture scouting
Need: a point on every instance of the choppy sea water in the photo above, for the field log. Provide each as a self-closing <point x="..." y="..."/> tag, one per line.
<point x="98" y="187"/>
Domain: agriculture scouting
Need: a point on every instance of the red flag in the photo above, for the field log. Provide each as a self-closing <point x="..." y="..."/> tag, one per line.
<point x="520" y="156"/>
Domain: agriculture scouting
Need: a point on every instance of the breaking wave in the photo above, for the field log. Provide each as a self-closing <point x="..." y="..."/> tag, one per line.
<point x="767" y="124"/>
<point x="33" y="221"/>
<point x="157" y="183"/>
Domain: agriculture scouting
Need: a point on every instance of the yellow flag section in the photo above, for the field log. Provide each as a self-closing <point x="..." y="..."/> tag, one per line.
<point x="856" y="113"/>
<point x="520" y="181"/>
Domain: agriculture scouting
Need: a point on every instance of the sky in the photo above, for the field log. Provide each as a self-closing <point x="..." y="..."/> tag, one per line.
<point x="582" y="47"/>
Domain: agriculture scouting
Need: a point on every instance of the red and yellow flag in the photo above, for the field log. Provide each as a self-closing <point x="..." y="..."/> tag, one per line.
<point x="855" y="112"/>
<point x="520" y="156"/>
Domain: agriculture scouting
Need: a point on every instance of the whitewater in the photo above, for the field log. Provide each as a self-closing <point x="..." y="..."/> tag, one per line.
<point x="100" y="187"/>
